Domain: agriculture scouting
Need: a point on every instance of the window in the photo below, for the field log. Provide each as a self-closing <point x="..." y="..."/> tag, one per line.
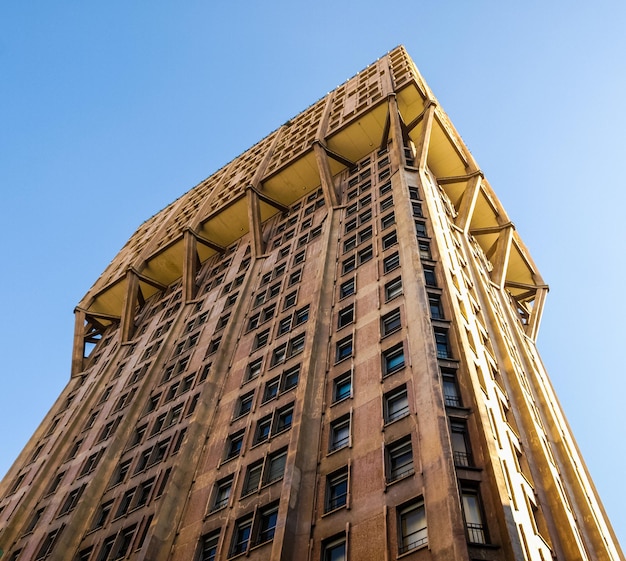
<point x="365" y="216"/>
<point x="386" y="204"/>
<point x="420" y="229"/>
<point x="393" y="359"/>
<point x="346" y="288"/>
<point x="91" y="463"/>
<point x="284" y="325"/>
<point x="279" y="355"/>
<point x="271" y="389"/>
<point x="350" y="225"/>
<point x="284" y="418"/>
<point x="442" y="343"/>
<point x="412" y="526"/>
<point x="253" y="478"/>
<point x="261" y="339"/>
<point x="390" y="240"/>
<point x="301" y="315"/>
<point x="451" y="393"/>
<point x="102" y="515"/>
<point x="436" y="309"/>
<point x="414" y="193"/>
<point x="334" y="550"/>
<point x="48" y="544"/>
<point x="393" y="289"/>
<point x="429" y="276"/>
<point x="286" y="381"/>
<point x="121" y="472"/>
<point x="365" y="255"/>
<point x="396" y="404"/>
<point x="222" y="493"/>
<point x="71" y="500"/>
<point x="417" y="209"/>
<point x="296" y="345"/>
<point x="214" y="345"/>
<point x="365" y="234"/>
<point x="290" y="378"/>
<point x="349" y="244"/>
<point x="263" y="428"/>
<point x="385" y="188"/>
<point x="254" y="369"/>
<point x="399" y="459"/>
<point x="342" y="387"/>
<point x="264" y="472"/>
<point x="127" y="499"/>
<point x="34" y="520"/>
<point x="348" y="265"/>
<point x="336" y="490"/>
<point x="143" y="493"/>
<point x="244" y="404"/>
<point x="290" y="300"/>
<point x="267" y="524"/>
<point x="346" y="316"/>
<point x="295" y="277"/>
<point x="390" y="322"/>
<point x="343" y="349"/>
<point x="234" y="444"/>
<point x="208" y="546"/>
<point x="388" y="220"/>
<point x="391" y="262"/>
<point x="241" y="536"/>
<point x="268" y="313"/>
<point x="298" y="258"/>
<point x="339" y="434"/>
<point x="473" y="514"/>
<point x="460" y="444"/>
<point x="275" y="466"/>
<point x="424" y="250"/>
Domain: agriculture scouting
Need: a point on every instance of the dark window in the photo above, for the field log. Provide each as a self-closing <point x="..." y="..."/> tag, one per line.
<point x="296" y="345"/>
<point x="412" y="526"/>
<point x="429" y="276"/>
<point x="349" y="244"/>
<point x="244" y="404"/>
<point x="295" y="277"/>
<point x="365" y="234"/>
<point x="48" y="544"/>
<point x="350" y="225"/>
<point x="346" y="288"/>
<point x="71" y="501"/>
<point x="254" y="369"/>
<point x="263" y="428"/>
<point x="345" y="316"/>
<point x="336" y="490"/>
<point x="339" y="434"/>
<point x="301" y="315"/>
<point x="417" y="210"/>
<point x="342" y="387"/>
<point x="267" y="524"/>
<point x="388" y="220"/>
<point x="393" y="359"/>
<point x="385" y="188"/>
<point x="396" y="404"/>
<point x="390" y="240"/>
<point x="451" y="393"/>
<point x="424" y="250"/>
<point x="460" y="444"/>
<point x="390" y="322"/>
<point x="284" y="418"/>
<point x="365" y="255"/>
<point x="261" y="339"/>
<point x="391" y="262"/>
<point x="234" y="444"/>
<point x="275" y="466"/>
<point x="443" y="345"/>
<point x="241" y="536"/>
<point x="102" y="515"/>
<point x="393" y="289"/>
<point x="400" y="459"/>
<point x="436" y="309"/>
<point x="290" y="300"/>
<point x="343" y="349"/>
<point x="279" y="354"/>
<point x="253" y="322"/>
<point x="298" y="258"/>
<point x="348" y="265"/>
<point x="253" y="478"/>
<point x="284" y="325"/>
<point x="271" y="389"/>
<point x="222" y="493"/>
<point x="334" y="550"/>
<point x="208" y="546"/>
<point x="386" y="204"/>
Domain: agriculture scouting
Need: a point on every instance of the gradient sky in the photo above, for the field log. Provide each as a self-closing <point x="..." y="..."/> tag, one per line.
<point x="111" y="110"/>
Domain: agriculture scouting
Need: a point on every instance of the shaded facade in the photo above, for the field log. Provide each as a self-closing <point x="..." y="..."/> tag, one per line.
<point x="324" y="351"/>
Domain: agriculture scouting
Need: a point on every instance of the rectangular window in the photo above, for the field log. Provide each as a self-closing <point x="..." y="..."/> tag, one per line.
<point x="460" y="444"/>
<point x="350" y="225"/>
<point x="339" y="434"/>
<point x="241" y="536"/>
<point x="295" y="277"/>
<point x="387" y="220"/>
<point x="393" y="289"/>
<point x="299" y="258"/>
<point x="396" y="404"/>
<point x="284" y="325"/>
<point x="451" y="393"/>
<point x="384" y="189"/>
<point x="342" y="387"/>
<point x="348" y="265"/>
<point x="391" y="262"/>
<point x="253" y="478"/>
<point x="365" y="234"/>
<point x="290" y="300"/>
<point x="349" y="244"/>
<point x="473" y="515"/>
<point x="261" y="339"/>
<point x="244" y="404"/>
<point x="436" y="309"/>
<point x="345" y="316"/>
<point x="412" y="526"/>
<point x="399" y="459"/>
<point x="347" y="288"/>
<point x="386" y="204"/>
<point x="414" y="193"/>
<point x="234" y="444"/>
<point x="275" y="466"/>
<point x="442" y="343"/>
<point x="301" y="315"/>
<point x="424" y="250"/>
<point x="343" y="349"/>
<point x="279" y="354"/>
<point x="365" y="255"/>
<point x="334" y="550"/>
<point x="390" y="322"/>
<point x="390" y="240"/>
<point x="254" y="369"/>
<point x="393" y="359"/>
<point x="208" y="546"/>
<point x="267" y="519"/>
<point x="336" y="490"/>
<point x="417" y="210"/>
<point x="296" y="345"/>
<point x="429" y="276"/>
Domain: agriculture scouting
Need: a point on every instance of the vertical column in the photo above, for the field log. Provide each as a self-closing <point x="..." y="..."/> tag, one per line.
<point x="254" y="221"/>
<point x="78" y="349"/>
<point x="190" y="266"/>
<point x="468" y="204"/>
<point x="535" y="317"/>
<point x="130" y="303"/>
<point x="421" y="150"/>
<point x="501" y="257"/>
<point x="326" y="177"/>
<point x="395" y="126"/>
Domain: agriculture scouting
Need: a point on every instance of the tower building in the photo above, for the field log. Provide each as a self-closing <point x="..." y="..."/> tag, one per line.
<point x="323" y="352"/>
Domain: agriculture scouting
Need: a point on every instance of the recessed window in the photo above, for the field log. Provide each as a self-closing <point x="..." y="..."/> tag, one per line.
<point x="436" y="309"/>
<point x="393" y="359"/>
<point x="208" y="546"/>
<point x="268" y="313"/>
<point x="253" y="478"/>
<point x="365" y="216"/>
<point x="451" y="393"/>
<point x="336" y="490"/>
<point x="263" y="429"/>
<point x="299" y="258"/>
<point x="334" y="550"/>
<point x="474" y="515"/>
<point x="244" y="404"/>
<point x="343" y="349"/>
<point x="412" y="526"/>
<point x="339" y="434"/>
<point x="261" y="339"/>
<point x="345" y="316"/>
<point x="234" y="444"/>
<point x="290" y="300"/>
<point x="417" y="210"/>
<point x="279" y="354"/>
<point x="391" y="262"/>
<point x="301" y="315"/>
<point x="384" y="189"/>
<point x="349" y="244"/>
<point x="393" y="289"/>
<point x="296" y="345"/>
<point x="222" y="492"/>
<point x="386" y="204"/>
<point x="399" y="459"/>
<point x="390" y="322"/>
<point x="387" y="220"/>
<point x="351" y="209"/>
<point x="414" y="193"/>
<point x="271" y="389"/>
<point x="347" y="288"/>
<point x="342" y="387"/>
<point x="295" y="277"/>
<point x="365" y="234"/>
<point x="348" y="265"/>
<point x="429" y="276"/>
<point x="424" y="250"/>
<point x="460" y="444"/>
<point x="350" y="225"/>
<point x="284" y="419"/>
<point x="267" y="519"/>
<point x="442" y="343"/>
<point x="241" y="536"/>
<point x="396" y="404"/>
<point x="390" y="240"/>
<point x="254" y="369"/>
<point x="284" y="325"/>
<point x="365" y="255"/>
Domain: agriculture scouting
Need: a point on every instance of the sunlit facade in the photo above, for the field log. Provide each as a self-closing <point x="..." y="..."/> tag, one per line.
<point x="323" y="352"/>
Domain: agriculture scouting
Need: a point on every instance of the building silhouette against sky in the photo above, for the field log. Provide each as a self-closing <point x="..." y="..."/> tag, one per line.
<point x="324" y="351"/>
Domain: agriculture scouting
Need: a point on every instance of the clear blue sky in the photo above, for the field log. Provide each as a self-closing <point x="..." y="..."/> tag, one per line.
<point x="110" y="110"/>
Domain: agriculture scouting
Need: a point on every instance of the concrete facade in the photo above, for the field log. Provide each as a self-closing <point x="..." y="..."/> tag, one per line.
<point x="324" y="351"/>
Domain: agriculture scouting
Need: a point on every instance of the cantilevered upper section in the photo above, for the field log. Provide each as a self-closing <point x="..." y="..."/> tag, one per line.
<point x="347" y="124"/>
